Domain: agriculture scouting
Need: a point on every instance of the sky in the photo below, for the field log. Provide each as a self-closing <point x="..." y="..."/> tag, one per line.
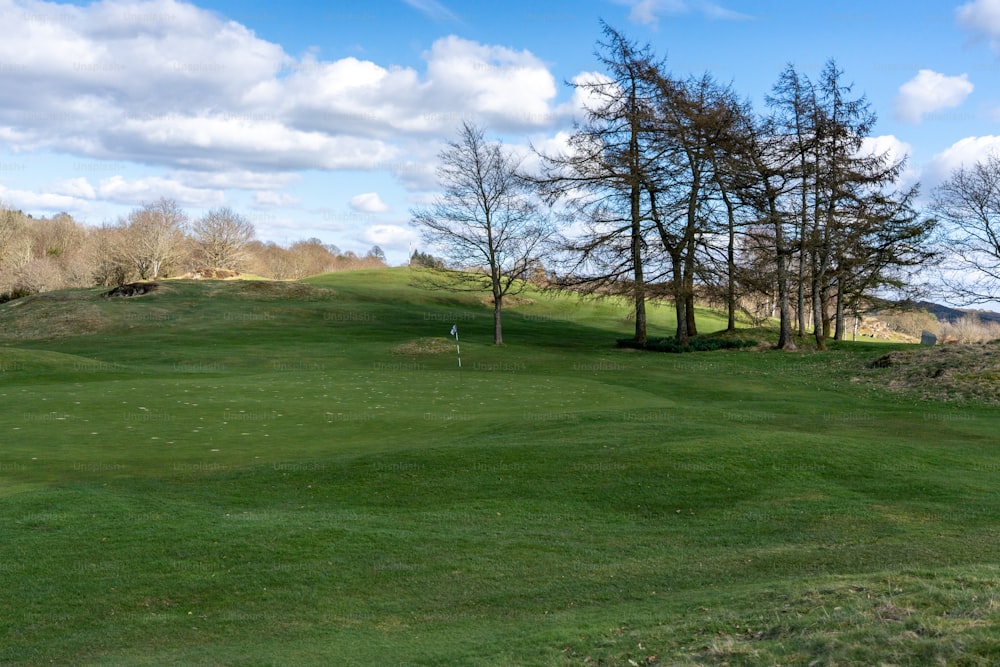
<point x="324" y="119"/>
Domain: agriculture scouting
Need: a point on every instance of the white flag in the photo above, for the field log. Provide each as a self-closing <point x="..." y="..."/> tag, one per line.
<point x="454" y="329"/>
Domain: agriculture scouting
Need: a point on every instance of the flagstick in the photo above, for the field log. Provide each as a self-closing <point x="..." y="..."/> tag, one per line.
<point x="458" y="348"/>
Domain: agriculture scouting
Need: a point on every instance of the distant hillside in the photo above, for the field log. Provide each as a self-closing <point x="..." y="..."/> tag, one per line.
<point x="946" y="313"/>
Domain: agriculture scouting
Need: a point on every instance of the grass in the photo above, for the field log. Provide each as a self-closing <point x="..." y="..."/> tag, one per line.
<point x="298" y="473"/>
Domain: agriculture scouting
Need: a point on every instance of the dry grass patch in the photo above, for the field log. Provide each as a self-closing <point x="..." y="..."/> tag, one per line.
<point x="945" y="373"/>
<point x="51" y="318"/>
<point x="425" y="346"/>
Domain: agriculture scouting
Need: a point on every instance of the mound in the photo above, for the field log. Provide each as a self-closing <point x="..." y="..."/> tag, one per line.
<point x="946" y="373"/>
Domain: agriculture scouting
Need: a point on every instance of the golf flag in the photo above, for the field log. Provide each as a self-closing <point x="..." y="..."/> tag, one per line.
<point x="454" y="332"/>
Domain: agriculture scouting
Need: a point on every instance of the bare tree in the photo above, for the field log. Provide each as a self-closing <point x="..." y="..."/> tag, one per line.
<point x="968" y="204"/>
<point x="222" y="237"/>
<point x="154" y="238"/>
<point x="15" y="246"/>
<point x="486" y="221"/>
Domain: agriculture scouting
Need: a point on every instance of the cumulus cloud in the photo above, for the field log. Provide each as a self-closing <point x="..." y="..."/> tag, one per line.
<point x="981" y="18"/>
<point x="386" y="236"/>
<point x="894" y="150"/>
<point x="143" y="190"/>
<point x="368" y="202"/>
<point x="168" y="84"/>
<point x="75" y="187"/>
<point x="268" y="199"/>
<point x="931" y="91"/>
<point x="963" y="153"/>
<point x="48" y="202"/>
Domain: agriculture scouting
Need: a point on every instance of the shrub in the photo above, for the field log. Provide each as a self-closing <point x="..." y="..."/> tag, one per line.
<point x="971" y="329"/>
<point x="696" y="344"/>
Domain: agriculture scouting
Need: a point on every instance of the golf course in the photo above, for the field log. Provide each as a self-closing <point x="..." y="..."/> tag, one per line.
<point x="299" y="473"/>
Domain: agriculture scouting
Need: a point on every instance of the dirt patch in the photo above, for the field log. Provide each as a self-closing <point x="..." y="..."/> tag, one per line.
<point x="425" y="346"/>
<point x="943" y="373"/>
<point x="131" y="290"/>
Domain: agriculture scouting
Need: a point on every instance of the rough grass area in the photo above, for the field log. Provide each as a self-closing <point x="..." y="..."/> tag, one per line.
<point x="898" y="618"/>
<point x="954" y="373"/>
<point x="53" y="315"/>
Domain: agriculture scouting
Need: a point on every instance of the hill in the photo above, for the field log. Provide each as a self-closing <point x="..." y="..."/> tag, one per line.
<point x="299" y="473"/>
<point x="949" y="314"/>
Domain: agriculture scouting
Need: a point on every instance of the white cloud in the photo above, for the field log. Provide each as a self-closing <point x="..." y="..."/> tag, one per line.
<point x="75" y="187"/>
<point x="48" y="202"/>
<point x="894" y="150"/>
<point x="143" y="190"/>
<point x="982" y="19"/>
<point x="963" y="153"/>
<point x="931" y="91"/>
<point x="368" y="202"/>
<point x="183" y="88"/>
<point x="389" y="237"/>
<point x="269" y="199"/>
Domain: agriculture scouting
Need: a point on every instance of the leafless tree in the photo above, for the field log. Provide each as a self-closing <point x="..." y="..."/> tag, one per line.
<point x="486" y="222"/>
<point x="154" y="238"/>
<point x="968" y="204"/>
<point x="221" y="237"/>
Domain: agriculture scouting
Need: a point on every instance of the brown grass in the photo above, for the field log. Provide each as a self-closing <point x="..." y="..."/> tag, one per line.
<point x="425" y="346"/>
<point x="943" y="373"/>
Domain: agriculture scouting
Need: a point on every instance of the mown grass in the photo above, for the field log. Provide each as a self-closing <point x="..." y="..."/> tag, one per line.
<point x="282" y="475"/>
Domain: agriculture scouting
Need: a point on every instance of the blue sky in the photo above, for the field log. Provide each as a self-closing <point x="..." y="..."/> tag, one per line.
<point x="324" y="119"/>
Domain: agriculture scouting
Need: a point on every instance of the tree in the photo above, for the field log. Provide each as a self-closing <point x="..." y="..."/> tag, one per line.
<point x="968" y="204"/>
<point x="600" y="179"/>
<point x="486" y="221"/>
<point x="425" y="260"/>
<point x="698" y="126"/>
<point x="153" y="242"/>
<point x="773" y="169"/>
<point x="222" y="238"/>
<point x="15" y="246"/>
<point x="377" y="254"/>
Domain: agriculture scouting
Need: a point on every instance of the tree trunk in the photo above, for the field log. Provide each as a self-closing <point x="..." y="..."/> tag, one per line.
<point x="497" y="319"/>
<point x="680" y="303"/>
<point x="640" y="286"/>
<point x="689" y="260"/>
<point x="785" y="339"/>
<point x="840" y="327"/>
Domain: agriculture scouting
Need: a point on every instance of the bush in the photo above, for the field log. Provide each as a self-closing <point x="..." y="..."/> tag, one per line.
<point x="971" y="329"/>
<point x="16" y="293"/>
<point x="696" y="344"/>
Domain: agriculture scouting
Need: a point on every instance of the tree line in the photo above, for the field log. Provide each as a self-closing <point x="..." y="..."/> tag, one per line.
<point x="675" y="187"/>
<point x="155" y="240"/>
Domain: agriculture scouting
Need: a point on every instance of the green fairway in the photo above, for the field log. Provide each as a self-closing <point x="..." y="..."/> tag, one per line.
<point x="255" y="473"/>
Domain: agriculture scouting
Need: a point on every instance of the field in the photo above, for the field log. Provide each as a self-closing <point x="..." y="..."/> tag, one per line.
<point x="255" y="473"/>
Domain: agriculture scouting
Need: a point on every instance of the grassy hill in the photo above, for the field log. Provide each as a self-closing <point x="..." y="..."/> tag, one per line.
<point x="255" y="473"/>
